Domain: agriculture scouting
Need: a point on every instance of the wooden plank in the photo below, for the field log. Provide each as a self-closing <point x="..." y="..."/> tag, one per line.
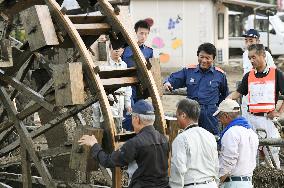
<point x="108" y="72"/>
<point x="68" y="84"/>
<point x="81" y="158"/>
<point x="6" y="59"/>
<point x="28" y="91"/>
<point x="141" y="63"/>
<point x="119" y="82"/>
<point x="26" y="138"/>
<point x="60" y="118"/>
<point x="26" y="167"/>
<point x="156" y="72"/>
<point x="39" y="27"/>
<point x="82" y="19"/>
<point x="92" y="29"/>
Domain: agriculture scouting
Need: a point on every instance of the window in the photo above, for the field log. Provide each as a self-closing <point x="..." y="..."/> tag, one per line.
<point x="220" y="26"/>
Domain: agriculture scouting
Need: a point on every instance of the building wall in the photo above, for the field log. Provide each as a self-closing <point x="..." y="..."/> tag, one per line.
<point x="179" y="27"/>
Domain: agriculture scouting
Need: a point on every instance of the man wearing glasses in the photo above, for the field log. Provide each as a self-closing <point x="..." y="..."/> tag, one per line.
<point x="205" y="84"/>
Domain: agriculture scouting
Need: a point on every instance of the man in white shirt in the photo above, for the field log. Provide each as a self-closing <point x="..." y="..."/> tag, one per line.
<point x="122" y="95"/>
<point x="239" y="144"/>
<point x="194" y="161"/>
<point x="252" y="37"/>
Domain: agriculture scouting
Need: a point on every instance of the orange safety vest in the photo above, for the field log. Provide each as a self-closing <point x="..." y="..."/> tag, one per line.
<point x="261" y="92"/>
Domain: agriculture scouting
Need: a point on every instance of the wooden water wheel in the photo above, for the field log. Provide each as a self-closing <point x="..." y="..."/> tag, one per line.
<point x="35" y="79"/>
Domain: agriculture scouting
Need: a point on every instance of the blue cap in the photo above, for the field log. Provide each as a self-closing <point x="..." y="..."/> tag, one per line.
<point x="143" y="107"/>
<point x="252" y="33"/>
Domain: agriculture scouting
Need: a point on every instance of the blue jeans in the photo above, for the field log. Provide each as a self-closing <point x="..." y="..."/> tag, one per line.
<point x="237" y="184"/>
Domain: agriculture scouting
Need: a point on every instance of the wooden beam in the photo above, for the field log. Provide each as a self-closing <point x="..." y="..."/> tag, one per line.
<point x="82" y="19"/>
<point x="119" y="82"/>
<point x="108" y="72"/>
<point x="60" y="118"/>
<point x="26" y="139"/>
<point x="28" y="91"/>
<point x="92" y="29"/>
<point x="26" y="167"/>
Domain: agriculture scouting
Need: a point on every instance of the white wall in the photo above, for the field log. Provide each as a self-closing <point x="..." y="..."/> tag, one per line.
<point x="180" y="41"/>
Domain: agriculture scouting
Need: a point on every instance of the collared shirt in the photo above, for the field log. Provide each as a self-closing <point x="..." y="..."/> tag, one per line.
<point x="247" y="66"/>
<point x="194" y="157"/>
<point x="208" y="88"/>
<point x="238" y="152"/>
<point x="128" y="58"/>
<point x="243" y="87"/>
<point x="149" y="149"/>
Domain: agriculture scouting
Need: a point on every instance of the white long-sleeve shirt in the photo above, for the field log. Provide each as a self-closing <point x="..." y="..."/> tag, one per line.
<point x="194" y="157"/>
<point x="123" y="100"/>
<point x="247" y="66"/>
<point x="238" y="152"/>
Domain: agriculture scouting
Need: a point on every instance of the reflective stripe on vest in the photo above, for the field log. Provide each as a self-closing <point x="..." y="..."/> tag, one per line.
<point x="261" y="92"/>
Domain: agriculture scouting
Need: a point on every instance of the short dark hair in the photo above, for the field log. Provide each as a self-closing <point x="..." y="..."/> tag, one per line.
<point x="190" y="107"/>
<point x="141" y="24"/>
<point x="208" y="48"/>
<point x="259" y="48"/>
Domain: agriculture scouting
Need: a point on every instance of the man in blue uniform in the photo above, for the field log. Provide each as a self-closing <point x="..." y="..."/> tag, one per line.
<point x="205" y="83"/>
<point x="142" y="29"/>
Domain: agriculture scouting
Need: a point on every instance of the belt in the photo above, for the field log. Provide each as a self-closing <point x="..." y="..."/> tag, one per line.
<point x="259" y="114"/>
<point x="238" y="178"/>
<point x="198" y="183"/>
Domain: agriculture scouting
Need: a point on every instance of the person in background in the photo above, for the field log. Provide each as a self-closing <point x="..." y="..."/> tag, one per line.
<point x="121" y="98"/>
<point x="239" y="144"/>
<point x="252" y="37"/>
<point x="205" y="83"/>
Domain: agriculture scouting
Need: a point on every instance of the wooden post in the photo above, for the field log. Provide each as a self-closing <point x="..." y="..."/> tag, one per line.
<point x="156" y="72"/>
<point x="69" y="86"/>
<point x="39" y="27"/>
<point x="26" y="167"/>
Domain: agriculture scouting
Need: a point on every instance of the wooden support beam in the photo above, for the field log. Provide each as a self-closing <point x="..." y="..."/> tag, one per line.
<point x="60" y="118"/>
<point x="277" y="142"/>
<point x="26" y="139"/>
<point x="119" y="82"/>
<point x="26" y="167"/>
<point x="28" y="91"/>
<point x="106" y="72"/>
<point x="92" y="29"/>
<point x="82" y="19"/>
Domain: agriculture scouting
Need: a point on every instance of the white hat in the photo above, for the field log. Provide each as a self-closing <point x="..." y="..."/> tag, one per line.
<point x="228" y="105"/>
